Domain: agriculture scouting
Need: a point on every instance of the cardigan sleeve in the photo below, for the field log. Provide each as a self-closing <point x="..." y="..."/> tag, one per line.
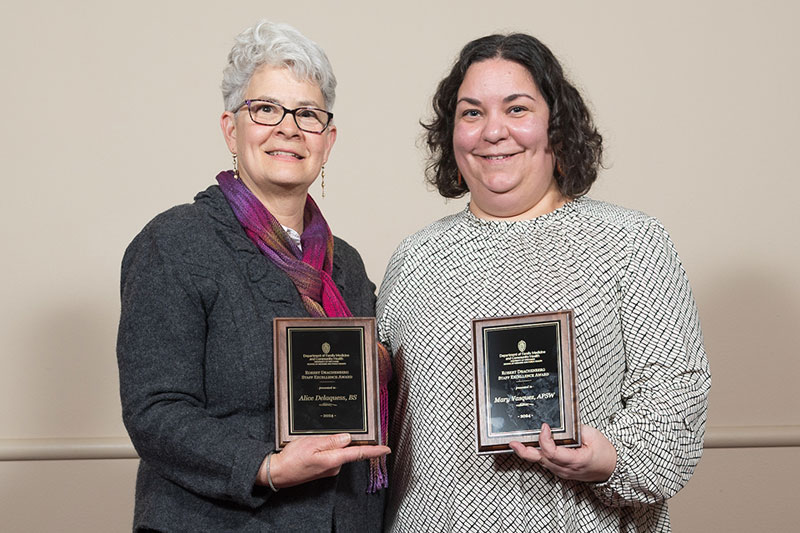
<point x="160" y="350"/>
<point x="357" y="289"/>
<point x="658" y="434"/>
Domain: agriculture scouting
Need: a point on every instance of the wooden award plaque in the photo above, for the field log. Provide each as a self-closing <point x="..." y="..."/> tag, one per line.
<point x="326" y="379"/>
<point x="525" y="375"/>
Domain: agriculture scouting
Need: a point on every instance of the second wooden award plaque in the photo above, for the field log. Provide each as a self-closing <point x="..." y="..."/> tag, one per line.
<point x="525" y="375"/>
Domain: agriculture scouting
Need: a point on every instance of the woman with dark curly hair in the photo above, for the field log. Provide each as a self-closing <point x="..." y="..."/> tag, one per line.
<point x="510" y="130"/>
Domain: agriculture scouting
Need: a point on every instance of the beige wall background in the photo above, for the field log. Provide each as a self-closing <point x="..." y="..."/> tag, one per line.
<point x="110" y="115"/>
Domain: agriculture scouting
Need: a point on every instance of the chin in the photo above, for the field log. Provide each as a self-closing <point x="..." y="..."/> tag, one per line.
<point x="499" y="192"/>
<point x="501" y="184"/>
<point x="290" y="181"/>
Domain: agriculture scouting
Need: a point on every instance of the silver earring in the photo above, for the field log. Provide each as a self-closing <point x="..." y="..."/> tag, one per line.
<point x="323" y="181"/>
<point x="235" y="167"/>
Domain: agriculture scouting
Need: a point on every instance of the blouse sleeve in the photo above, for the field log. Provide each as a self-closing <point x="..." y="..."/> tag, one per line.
<point x="160" y="350"/>
<point x="658" y="434"/>
<point x="387" y="295"/>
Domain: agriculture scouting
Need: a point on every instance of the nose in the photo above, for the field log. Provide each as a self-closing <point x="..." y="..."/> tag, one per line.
<point x="288" y="126"/>
<point x="495" y="128"/>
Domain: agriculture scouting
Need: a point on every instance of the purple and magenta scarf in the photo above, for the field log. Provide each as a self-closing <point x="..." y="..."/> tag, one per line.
<point x="310" y="271"/>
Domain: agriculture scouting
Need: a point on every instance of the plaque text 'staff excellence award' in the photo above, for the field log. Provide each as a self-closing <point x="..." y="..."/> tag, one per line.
<point x="525" y="375"/>
<point x="326" y="379"/>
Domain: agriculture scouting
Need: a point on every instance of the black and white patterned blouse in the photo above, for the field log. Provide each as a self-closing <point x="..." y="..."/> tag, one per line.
<point x="642" y="369"/>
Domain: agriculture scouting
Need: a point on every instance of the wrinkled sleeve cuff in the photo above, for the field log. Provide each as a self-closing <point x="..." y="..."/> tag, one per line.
<point x="609" y="490"/>
<point x="244" y="471"/>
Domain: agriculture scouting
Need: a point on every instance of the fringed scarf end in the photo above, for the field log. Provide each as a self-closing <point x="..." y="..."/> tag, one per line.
<point x="378" y="477"/>
<point x="378" y="474"/>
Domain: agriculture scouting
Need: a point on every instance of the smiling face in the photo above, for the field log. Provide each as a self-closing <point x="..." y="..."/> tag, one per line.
<point x="501" y="145"/>
<point x="281" y="160"/>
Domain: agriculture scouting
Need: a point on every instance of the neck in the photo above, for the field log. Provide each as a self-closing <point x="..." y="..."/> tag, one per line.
<point x="287" y="211"/>
<point x="513" y="210"/>
<point x="287" y="205"/>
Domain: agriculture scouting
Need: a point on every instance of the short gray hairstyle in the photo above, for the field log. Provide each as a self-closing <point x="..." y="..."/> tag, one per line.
<point x="279" y="45"/>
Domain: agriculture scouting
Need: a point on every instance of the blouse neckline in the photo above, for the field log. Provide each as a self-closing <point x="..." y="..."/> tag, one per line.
<point x="518" y="225"/>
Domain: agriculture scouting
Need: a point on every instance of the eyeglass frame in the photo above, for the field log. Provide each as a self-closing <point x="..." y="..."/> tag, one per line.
<point x="286" y="111"/>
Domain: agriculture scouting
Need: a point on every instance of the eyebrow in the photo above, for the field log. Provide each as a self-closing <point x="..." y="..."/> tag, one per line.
<point x="507" y="99"/>
<point x="512" y="97"/>
<point x="302" y="103"/>
<point x="468" y="100"/>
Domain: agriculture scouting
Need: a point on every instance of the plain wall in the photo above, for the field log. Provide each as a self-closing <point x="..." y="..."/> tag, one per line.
<point x="111" y="115"/>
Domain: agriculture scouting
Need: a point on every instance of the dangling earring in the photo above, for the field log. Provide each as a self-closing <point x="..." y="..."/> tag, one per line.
<point x="323" y="181"/>
<point x="459" y="178"/>
<point x="559" y="169"/>
<point x="235" y="167"/>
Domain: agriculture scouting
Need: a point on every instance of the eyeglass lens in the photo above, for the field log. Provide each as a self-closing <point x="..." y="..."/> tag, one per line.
<point x="306" y="118"/>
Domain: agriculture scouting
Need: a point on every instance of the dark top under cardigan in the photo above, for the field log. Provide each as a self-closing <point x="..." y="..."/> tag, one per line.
<point x="196" y="379"/>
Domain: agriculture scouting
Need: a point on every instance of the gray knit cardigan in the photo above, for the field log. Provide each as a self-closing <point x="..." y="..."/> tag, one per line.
<point x="196" y="379"/>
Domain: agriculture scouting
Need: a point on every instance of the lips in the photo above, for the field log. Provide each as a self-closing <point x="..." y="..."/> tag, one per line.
<point x="284" y="153"/>
<point x="496" y="157"/>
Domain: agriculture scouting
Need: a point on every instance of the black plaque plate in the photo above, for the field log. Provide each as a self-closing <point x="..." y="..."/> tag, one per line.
<point x="326" y="378"/>
<point x="525" y="375"/>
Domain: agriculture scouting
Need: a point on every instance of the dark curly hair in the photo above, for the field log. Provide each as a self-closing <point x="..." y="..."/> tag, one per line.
<point x="575" y="142"/>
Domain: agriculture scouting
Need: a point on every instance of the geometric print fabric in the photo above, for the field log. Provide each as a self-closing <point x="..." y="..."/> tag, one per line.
<point x="643" y="376"/>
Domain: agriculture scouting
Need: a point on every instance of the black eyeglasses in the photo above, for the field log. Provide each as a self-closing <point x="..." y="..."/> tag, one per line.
<point x="309" y="119"/>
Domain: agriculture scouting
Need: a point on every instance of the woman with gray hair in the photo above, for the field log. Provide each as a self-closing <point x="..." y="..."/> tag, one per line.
<point x="201" y="285"/>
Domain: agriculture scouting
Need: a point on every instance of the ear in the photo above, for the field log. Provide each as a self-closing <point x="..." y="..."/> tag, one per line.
<point x="228" y="124"/>
<point x="331" y="138"/>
